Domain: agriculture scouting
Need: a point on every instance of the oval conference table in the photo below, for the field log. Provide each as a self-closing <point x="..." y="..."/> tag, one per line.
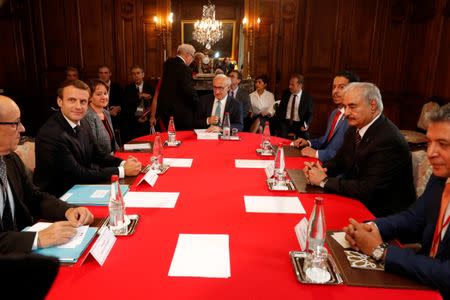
<point x="211" y="201"/>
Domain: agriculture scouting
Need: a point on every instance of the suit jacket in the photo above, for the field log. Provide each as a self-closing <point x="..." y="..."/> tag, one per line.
<point x="115" y="95"/>
<point x="327" y="148"/>
<point x="177" y="96"/>
<point x="205" y="107"/>
<point x="417" y="225"/>
<point x="63" y="159"/>
<point x="99" y="131"/>
<point x="378" y="172"/>
<point x="305" y="109"/>
<point x="244" y="97"/>
<point x="30" y="205"/>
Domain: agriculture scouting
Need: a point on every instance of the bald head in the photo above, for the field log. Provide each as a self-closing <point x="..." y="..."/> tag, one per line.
<point x="10" y="126"/>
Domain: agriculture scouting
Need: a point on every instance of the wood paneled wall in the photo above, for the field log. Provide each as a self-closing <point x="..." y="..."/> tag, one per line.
<point x="401" y="45"/>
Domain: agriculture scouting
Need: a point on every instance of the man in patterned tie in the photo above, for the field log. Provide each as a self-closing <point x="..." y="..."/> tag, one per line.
<point x="21" y="202"/>
<point x="425" y="223"/>
<point x="326" y="146"/>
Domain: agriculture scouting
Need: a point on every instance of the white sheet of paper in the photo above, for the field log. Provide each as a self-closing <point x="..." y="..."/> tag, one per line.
<point x="151" y="199"/>
<point x="201" y="255"/>
<point x="197" y="131"/>
<point x="39" y="226"/>
<point x="178" y="162"/>
<point x="66" y="196"/>
<point x="103" y="245"/>
<point x="301" y="231"/>
<point x="270" y="204"/>
<point x="208" y="136"/>
<point x="77" y="239"/>
<point x="340" y="238"/>
<point x="99" y="193"/>
<point x="252" y="163"/>
<point x="140" y="146"/>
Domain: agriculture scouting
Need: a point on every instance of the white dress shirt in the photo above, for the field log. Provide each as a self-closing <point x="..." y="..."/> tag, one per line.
<point x="297" y="105"/>
<point x="262" y="103"/>
<point x="363" y="129"/>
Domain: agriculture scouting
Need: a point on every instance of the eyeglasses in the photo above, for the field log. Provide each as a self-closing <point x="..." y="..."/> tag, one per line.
<point x="16" y="124"/>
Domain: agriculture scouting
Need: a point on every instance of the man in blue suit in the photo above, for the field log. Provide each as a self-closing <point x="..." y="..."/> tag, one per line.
<point x="425" y="223"/>
<point x="326" y="146"/>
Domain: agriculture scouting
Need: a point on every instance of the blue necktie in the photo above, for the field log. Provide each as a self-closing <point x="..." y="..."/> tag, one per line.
<point x="218" y="111"/>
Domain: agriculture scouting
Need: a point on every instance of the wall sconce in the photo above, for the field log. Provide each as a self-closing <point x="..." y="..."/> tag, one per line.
<point x="250" y="30"/>
<point x="163" y="29"/>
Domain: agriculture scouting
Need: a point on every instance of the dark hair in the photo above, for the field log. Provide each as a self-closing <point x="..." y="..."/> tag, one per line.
<point x="263" y="78"/>
<point x="299" y="77"/>
<point x="104" y="66"/>
<point x="70" y="68"/>
<point x="440" y="115"/>
<point x="352" y="77"/>
<point x="96" y="82"/>
<point x="75" y="83"/>
<point x="136" y="67"/>
<point x="239" y="74"/>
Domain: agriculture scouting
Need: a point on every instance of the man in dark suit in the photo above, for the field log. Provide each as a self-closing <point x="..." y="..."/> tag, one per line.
<point x="177" y="97"/>
<point x="115" y="99"/>
<point x="137" y="102"/>
<point x="425" y="223"/>
<point x="374" y="163"/>
<point x="326" y="146"/>
<point x="241" y="96"/>
<point x="21" y="202"/>
<point x="212" y="108"/>
<point x="294" y="114"/>
<point x="67" y="153"/>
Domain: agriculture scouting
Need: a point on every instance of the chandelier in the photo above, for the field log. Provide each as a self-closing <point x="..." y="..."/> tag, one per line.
<point x="208" y="31"/>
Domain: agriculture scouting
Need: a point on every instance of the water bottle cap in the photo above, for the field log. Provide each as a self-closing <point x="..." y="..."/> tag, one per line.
<point x="171" y="117"/>
<point x="114" y="178"/>
<point x="267" y="123"/>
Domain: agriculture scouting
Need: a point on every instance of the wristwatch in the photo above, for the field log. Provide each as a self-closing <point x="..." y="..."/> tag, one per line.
<point x="323" y="182"/>
<point x="378" y="251"/>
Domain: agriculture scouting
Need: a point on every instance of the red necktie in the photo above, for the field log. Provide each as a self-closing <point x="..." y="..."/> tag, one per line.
<point x="440" y="224"/>
<point x="333" y="125"/>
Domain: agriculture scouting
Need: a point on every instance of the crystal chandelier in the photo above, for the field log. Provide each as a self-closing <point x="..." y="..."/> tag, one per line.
<point x="208" y="31"/>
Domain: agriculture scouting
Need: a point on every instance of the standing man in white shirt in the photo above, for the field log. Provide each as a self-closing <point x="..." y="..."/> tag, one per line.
<point x="294" y="114"/>
<point x="326" y="146"/>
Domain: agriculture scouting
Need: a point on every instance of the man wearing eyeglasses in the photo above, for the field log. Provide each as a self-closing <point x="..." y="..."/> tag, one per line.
<point x="66" y="151"/>
<point x="212" y="108"/>
<point x="21" y="202"/>
<point x="177" y="96"/>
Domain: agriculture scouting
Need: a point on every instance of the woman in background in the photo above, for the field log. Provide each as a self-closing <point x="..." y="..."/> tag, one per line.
<point x="262" y="103"/>
<point x="99" y="118"/>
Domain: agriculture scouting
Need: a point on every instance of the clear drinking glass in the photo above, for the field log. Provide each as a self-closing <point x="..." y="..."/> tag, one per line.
<point x="315" y="266"/>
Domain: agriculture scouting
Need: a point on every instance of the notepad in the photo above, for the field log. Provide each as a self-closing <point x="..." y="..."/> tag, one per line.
<point x="201" y="255"/>
<point x="178" y="162"/>
<point x="65" y="253"/>
<point x="202" y="134"/>
<point x="252" y="163"/>
<point x="270" y="204"/>
<point x="85" y="194"/>
<point x="151" y="199"/>
<point x="137" y="147"/>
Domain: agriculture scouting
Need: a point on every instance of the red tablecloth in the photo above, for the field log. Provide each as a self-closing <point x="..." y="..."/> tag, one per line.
<point x="211" y="201"/>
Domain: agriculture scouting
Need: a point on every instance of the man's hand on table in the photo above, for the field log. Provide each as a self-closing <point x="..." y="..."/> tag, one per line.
<point x="314" y="173"/>
<point x="362" y="236"/>
<point x="309" y="152"/>
<point x="132" y="166"/>
<point x="213" y="128"/>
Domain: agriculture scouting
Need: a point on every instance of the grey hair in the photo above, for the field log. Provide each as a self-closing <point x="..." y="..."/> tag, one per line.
<point x="223" y="76"/>
<point x="440" y="115"/>
<point x="186" y="49"/>
<point x="368" y="90"/>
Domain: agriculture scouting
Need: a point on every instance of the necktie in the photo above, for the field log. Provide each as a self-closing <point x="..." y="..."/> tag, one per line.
<point x="77" y="130"/>
<point x="440" y="223"/>
<point x="333" y="125"/>
<point x="218" y="111"/>
<point x="7" y="218"/>
<point x="357" y="137"/>
<point x="291" y="120"/>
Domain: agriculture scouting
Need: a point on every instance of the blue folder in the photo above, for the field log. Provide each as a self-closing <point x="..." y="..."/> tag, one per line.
<point x="81" y="194"/>
<point x="68" y="255"/>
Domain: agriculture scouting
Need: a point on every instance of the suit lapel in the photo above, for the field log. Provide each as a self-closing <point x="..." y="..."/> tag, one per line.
<point x="76" y="141"/>
<point x="228" y="104"/>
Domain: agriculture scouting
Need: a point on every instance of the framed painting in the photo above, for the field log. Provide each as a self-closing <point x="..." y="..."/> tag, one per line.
<point x="224" y="48"/>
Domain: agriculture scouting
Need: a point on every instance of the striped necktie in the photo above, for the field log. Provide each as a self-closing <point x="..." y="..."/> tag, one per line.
<point x="7" y="217"/>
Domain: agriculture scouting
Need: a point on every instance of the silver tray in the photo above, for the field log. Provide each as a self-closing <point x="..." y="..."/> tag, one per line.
<point x="298" y="258"/>
<point x="290" y="186"/>
<point x="134" y="220"/>
<point x="177" y="143"/>
<point x="262" y="153"/>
